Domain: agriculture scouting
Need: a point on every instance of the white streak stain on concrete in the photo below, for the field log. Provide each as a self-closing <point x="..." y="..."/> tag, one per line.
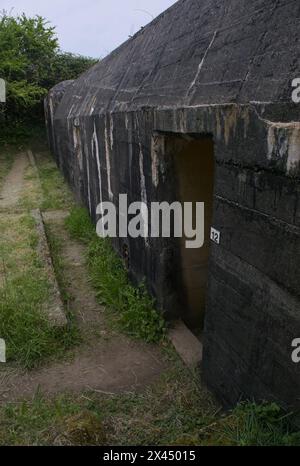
<point x="182" y="119"/>
<point x="142" y="176"/>
<point x="284" y="139"/>
<point x="219" y="116"/>
<point x="154" y="161"/>
<point x="246" y="118"/>
<point x="86" y="151"/>
<point x="230" y="123"/>
<point x="130" y="150"/>
<point x="51" y="109"/>
<point x="293" y="162"/>
<point x="71" y="110"/>
<point x="92" y="103"/>
<point x="144" y="198"/>
<point x="77" y="147"/>
<point x="89" y="186"/>
<point x="157" y="158"/>
<point x="108" y="167"/>
<point x="200" y="66"/>
<point x="97" y="157"/>
<point x="271" y="142"/>
<point x="111" y="121"/>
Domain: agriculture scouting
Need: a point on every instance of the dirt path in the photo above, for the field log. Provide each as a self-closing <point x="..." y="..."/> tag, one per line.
<point x="106" y="362"/>
<point x="14" y="182"/>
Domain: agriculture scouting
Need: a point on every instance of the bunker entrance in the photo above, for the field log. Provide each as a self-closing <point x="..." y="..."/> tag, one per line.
<point x="194" y="167"/>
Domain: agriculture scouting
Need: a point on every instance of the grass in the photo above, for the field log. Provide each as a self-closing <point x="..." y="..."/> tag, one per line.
<point x="174" y="411"/>
<point x="14" y="140"/>
<point x="30" y="339"/>
<point x="56" y="248"/>
<point x="131" y="308"/>
<point x="56" y="193"/>
<point x="32" y="194"/>
<point x="24" y="287"/>
<point x="46" y="189"/>
<point x="259" y="424"/>
<point x="24" y="293"/>
<point x="44" y="422"/>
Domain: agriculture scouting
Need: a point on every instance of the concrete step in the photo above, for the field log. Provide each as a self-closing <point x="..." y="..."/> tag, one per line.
<point x="189" y="348"/>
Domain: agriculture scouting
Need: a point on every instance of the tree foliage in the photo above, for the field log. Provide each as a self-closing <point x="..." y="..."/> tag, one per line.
<point x="68" y="66"/>
<point x="31" y="63"/>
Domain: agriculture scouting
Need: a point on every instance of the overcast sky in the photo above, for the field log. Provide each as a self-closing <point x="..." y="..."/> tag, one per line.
<point x="91" y="27"/>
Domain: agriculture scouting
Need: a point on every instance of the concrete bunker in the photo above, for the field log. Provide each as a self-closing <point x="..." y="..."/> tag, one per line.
<point x="225" y="71"/>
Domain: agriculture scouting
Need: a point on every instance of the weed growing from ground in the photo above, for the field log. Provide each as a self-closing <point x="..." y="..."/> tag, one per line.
<point x="131" y="308"/>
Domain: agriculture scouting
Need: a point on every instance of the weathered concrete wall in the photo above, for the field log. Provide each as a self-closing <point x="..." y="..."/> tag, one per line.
<point x="198" y="52"/>
<point x="225" y="71"/>
<point x="51" y="103"/>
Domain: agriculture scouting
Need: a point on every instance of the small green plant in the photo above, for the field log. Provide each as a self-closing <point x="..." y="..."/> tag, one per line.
<point x="79" y="225"/>
<point x="132" y="309"/>
<point x="251" y="424"/>
<point x="30" y="339"/>
<point x="263" y="424"/>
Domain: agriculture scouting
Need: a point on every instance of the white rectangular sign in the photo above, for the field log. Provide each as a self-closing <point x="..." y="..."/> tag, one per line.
<point x="215" y="236"/>
<point x="2" y="91"/>
<point x="2" y="350"/>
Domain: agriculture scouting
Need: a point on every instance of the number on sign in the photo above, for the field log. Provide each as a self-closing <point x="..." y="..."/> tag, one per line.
<point x="215" y="236"/>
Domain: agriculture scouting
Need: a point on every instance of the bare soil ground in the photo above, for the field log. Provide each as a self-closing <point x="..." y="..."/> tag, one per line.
<point x="13" y="183"/>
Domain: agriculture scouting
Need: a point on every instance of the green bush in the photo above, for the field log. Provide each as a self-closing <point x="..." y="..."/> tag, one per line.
<point x="31" y="63"/>
<point x="27" y="47"/>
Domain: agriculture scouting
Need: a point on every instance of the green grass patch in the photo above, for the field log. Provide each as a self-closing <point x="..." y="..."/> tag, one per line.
<point x="32" y="195"/>
<point x="24" y="294"/>
<point x="43" y="422"/>
<point x="56" y="248"/>
<point x="80" y="226"/>
<point x="46" y="190"/>
<point x="30" y="339"/>
<point x="170" y="410"/>
<point x="56" y="193"/>
<point x="260" y="425"/>
<point x="174" y="411"/>
<point x="131" y="308"/>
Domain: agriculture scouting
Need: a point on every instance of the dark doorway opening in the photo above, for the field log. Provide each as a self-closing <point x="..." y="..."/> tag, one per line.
<point x="193" y="161"/>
